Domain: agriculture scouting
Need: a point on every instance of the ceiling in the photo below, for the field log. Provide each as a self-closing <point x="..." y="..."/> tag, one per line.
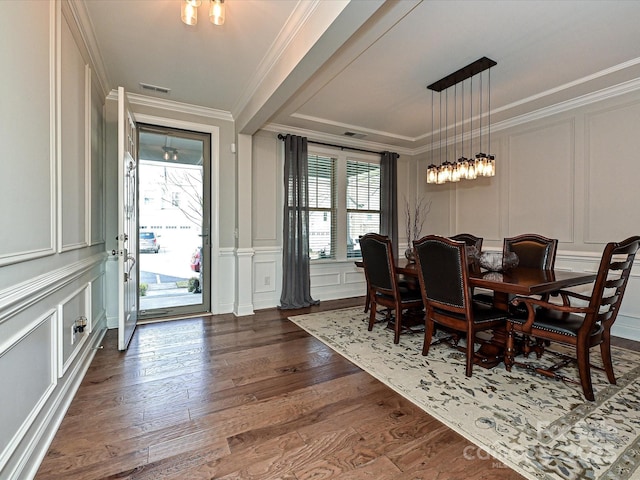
<point x="331" y="67"/>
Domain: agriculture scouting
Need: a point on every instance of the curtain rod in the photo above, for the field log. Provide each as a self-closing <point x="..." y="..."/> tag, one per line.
<point x="341" y="147"/>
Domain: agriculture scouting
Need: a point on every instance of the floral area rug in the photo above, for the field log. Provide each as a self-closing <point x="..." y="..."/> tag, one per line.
<point x="540" y="427"/>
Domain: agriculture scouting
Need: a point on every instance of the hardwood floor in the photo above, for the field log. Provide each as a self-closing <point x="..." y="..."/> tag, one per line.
<point x="248" y="398"/>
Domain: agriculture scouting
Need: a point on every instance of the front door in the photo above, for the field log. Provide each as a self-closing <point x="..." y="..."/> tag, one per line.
<point x="127" y="223"/>
<point x="173" y="213"/>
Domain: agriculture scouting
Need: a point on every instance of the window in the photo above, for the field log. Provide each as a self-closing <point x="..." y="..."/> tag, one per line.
<point x="363" y="203"/>
<point x="322" y="206"/>
<point x="344" y="203"/>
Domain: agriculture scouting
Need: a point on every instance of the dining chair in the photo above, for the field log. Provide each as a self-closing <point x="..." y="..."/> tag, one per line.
<point x="533" y="251"/>
<point x="581" y="327"/>
<point x="443" y="273"/>
<point x="469" y="240"/>
<point x="382" y="280"/>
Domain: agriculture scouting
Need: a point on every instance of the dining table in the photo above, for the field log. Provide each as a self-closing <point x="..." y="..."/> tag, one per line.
<point x="505" y="284"/>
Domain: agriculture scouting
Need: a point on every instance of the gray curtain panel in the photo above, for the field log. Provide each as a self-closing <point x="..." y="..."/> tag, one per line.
<point x="296" y="283"/>
<point x="389" y="197"/>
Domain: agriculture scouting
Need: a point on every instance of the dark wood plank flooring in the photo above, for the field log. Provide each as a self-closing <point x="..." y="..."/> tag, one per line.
<point x="248" y="398"/>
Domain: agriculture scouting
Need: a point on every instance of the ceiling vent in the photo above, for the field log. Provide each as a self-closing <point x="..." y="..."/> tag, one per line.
<point x="154" y="88"/>
<point x="355" y="135"/>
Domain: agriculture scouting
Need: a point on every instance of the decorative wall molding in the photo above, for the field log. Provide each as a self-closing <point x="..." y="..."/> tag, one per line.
<point x="32" y="402"/>
<point x="78" y="304"/>
<point x="24" y="294"/>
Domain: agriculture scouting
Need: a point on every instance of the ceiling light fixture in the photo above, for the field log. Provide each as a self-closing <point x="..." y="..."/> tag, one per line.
<point x="170" y="153"/>
<point x="189" y="11"/>
<point x="483" y="165"/>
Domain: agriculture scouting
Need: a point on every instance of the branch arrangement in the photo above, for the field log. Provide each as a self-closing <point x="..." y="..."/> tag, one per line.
<point x="416" y="217"/>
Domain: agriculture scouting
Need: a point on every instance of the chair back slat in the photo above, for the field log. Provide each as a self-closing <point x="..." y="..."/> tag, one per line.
<point x="620" y="265"/>
<point x="607" y="305"/>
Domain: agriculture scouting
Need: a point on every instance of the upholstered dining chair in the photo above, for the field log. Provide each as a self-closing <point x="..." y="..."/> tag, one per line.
<point x="382" y="280"/>
<point x="533" y="250"/>
<point x="443" y="272"/>
<point x="582" y="327"/>
<point x="469" y="240"/>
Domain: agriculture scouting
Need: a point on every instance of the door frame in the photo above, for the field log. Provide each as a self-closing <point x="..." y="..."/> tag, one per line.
<point x="214" y="194"/>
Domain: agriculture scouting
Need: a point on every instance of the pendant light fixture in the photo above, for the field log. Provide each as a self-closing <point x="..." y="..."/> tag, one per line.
<point x="216" y="12"/>
<point x="463" y="167"/>
<point x="189" y="11"/>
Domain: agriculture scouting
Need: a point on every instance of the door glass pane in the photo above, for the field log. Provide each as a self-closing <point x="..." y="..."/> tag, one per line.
<point x="172" y="233"/>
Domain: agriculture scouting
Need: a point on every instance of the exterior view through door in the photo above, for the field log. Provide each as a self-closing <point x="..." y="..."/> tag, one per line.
<point x="173" y="227"/>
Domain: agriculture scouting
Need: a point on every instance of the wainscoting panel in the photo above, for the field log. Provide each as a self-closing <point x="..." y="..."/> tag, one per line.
<point x="73" y="163"/>
<point x="541" y="205"/>
<point x="266" y="173"/>
<point x="330" y="281"/>
<point x="223" y="288"/>
<point x="73" y="311"/>
<point x="611" y="178"/>
<point x="264" y="276"/>
<point x="38" y="360"/>
<point x="267" y="277"/>
<point x="28" y="171"/>
<point x="29" y="373"/>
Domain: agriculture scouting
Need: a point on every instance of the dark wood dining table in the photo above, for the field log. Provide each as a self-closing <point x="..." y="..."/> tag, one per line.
<point x="516" y="281"/>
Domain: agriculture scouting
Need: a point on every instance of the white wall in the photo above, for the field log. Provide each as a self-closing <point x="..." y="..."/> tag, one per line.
<point x="52" y="239"/>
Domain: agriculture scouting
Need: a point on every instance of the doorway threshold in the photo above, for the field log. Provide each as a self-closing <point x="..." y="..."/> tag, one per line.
<point x="177" y="317"/>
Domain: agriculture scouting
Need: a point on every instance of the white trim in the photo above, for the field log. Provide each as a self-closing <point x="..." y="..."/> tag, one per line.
<point x="174" y="107"/>
<point x="87" y="154"/>
<point x="25" y="294"/>
<point x="86" y="30"/>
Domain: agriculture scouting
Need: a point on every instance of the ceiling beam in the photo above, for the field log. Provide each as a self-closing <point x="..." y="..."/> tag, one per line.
<point x="313" y="43"/>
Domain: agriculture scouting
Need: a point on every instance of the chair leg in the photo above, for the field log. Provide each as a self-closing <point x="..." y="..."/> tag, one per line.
<point x="428" y="334"/>
<point x="398" y="325"/>
<point x="372" y="314"/>
<point x="509" y="349"/>
<point x="584" y="369"/>
<point x="605" y="351"/>
<point x="367" y="301"/>
<point x="470" y="352"/>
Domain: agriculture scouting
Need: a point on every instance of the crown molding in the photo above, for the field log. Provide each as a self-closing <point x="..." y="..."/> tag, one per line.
<point x="337" y="139"/>
<point x="561" y="107"/>
<point x="86" y="29"/>
<point x="173" y="106"/>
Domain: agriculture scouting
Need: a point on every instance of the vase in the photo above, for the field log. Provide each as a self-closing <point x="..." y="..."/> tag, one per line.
<point x="409" y="254"/>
